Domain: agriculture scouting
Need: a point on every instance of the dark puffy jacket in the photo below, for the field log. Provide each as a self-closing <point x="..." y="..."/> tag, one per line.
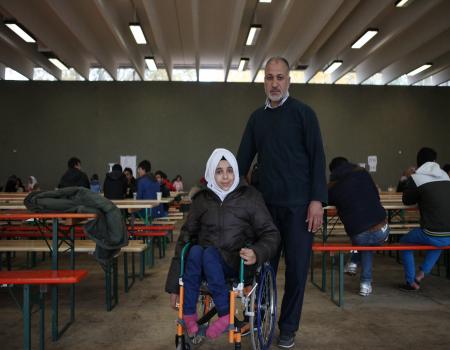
<point x="241" y="220"/>
<point x="115" y="185"/>
<point x="74" y="177"/>
<point x="108" y="230"/>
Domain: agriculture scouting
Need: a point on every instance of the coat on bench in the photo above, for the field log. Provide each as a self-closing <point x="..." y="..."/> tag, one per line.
<point x="108" y="230"/>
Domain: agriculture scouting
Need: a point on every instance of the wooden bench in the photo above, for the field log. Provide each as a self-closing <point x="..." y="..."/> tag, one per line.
<point x="88" y="246"/>
<point x="41" y="278"/>
<point x="341" y="248"/>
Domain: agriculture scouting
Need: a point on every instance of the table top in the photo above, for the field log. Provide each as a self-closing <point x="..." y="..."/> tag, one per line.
<point x="17" y="203"/>
<point x="10" y="215"/>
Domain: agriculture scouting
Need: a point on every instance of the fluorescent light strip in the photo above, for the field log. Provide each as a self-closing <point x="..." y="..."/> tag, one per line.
<point x="242" y="64"/>
<point x="332" y="67"/>
<point x="364" y="39"/>
<point x="20" y="32"/>
<point x="418" y="70"/>
<point x="138" y="34"/>
<point x="254" y="30"/>
<point x="265" y="1"/>
<point x="401" y="3"/>
<point x="151" y="64"/>
<point x="58" y="63"/>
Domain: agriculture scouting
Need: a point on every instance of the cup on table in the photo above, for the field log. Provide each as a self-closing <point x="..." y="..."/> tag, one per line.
<point x="134" y="195"/>
<point x="158" y="196"/>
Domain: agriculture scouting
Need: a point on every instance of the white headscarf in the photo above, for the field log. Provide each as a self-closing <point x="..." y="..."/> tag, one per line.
<point x="31" y="182"/>
<point x="210" y="171"/>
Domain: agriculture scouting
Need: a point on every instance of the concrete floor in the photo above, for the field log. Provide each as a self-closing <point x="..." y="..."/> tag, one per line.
<point x="388" y="319"/>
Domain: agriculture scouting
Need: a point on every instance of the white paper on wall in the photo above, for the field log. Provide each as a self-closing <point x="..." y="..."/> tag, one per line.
<point x="372" y="161"/>
<point x="110" y="165"/>
<point x="128" y="162"/>
<point x="362" y="165"/>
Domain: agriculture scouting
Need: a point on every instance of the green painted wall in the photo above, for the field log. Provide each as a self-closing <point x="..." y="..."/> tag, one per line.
<point x="177" y="125"/>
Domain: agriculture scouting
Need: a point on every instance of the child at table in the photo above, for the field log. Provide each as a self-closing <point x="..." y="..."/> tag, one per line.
<point x="228" y="220"/>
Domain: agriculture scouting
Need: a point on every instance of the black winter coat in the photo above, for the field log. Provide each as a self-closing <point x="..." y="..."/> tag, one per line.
<point x="241" y="220"/>
<point x="115" y="185"/>
<point x="74" y="177"/>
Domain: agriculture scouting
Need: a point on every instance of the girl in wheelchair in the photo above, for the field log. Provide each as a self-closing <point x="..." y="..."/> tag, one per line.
<point x="227" y="221"/>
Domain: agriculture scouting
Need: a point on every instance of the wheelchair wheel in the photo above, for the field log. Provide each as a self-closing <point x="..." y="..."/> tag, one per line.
<point x="264" y="302"/>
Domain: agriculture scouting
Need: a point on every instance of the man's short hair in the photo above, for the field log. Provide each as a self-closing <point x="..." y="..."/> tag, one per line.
<point x="337" y="162"/>
<point x="426" y="154"/>
<point x="117" y="167"/>
<point x="145" y="165"/>
<point x="73" y="162"/>
<point x="129" y="170"/>
<point x="278" y="58"/>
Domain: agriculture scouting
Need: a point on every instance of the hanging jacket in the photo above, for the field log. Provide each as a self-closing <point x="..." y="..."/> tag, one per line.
<point x="108" y="230"/>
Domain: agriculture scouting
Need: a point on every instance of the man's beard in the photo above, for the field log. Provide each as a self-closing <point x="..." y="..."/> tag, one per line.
<point x="276" y="97"/>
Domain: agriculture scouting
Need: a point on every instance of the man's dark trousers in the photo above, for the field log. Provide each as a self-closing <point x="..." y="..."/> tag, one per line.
<point x="297" y="245"/>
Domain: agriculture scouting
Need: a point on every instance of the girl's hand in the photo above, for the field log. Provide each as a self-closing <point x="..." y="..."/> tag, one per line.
<point x="174" y="300"/>
<point x="248" y="255"/>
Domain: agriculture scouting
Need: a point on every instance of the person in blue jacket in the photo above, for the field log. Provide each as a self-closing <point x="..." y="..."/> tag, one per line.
<point x="147" y="187"/>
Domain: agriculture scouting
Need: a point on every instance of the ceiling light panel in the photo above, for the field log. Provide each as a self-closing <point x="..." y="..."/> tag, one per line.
<point x="253" y="35"/>
<point x="138" y="34"/>
<point x="418" y="70"/>
<point x="365" y="38"/>
<point x="333" y="66"/>
<point x="16" y="28"/>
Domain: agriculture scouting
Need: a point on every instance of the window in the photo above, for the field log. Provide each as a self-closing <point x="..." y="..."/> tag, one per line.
<point x="11" y="74"/>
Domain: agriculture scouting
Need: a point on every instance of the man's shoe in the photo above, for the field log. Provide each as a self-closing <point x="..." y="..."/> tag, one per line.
<point x="286" y="340"/>
<point x="365" y="289"/>
<point x="409" y="288"/>
<point x="350" y="268"/>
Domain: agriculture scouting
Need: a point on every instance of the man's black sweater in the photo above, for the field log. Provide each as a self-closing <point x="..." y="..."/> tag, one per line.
<point x="291" y="159"/>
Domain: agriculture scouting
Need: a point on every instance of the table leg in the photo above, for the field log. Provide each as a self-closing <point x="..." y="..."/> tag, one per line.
<point x="26" y="317"/>
<point x="55" y="262"/>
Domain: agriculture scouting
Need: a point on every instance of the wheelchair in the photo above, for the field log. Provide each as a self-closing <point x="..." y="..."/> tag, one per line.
<point x="255" y="301"/>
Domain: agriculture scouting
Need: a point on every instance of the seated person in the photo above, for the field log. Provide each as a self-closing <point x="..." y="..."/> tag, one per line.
<point x="115" y="185"/>
<point x="446" y="168"/>
<point x="404" y="179"/>
<point x="178" y="183"/>
<point x="147" y="187"/>
<point x="131" y="183"/>
<point x="95" y="184"/>
<point x="228" y="220"/>
<point x="429" y="187"/>
<point x="74" y="176"/>
<point x="32" y="182"/>
<point x="166" y="185"/>
<point x="353" y="192"/>
<point x="11" y="184"/>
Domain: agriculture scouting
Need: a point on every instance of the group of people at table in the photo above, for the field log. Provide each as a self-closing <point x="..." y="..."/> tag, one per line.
<point x="230" y="220"/>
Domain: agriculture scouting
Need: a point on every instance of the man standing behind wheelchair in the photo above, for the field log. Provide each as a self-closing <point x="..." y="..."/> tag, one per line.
<point x="228" y="221"/>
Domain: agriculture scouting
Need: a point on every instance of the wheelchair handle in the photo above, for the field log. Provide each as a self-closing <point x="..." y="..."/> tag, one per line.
<point x="183" y="253"/>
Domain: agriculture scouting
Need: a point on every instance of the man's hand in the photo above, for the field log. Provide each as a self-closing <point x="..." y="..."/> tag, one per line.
<point x="174" y="300"/>
<point x="248" y="255"/>
<point x="315" y="216"/>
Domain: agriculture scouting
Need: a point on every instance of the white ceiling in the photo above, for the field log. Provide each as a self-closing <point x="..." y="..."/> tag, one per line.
<point x="212" y="33"/>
